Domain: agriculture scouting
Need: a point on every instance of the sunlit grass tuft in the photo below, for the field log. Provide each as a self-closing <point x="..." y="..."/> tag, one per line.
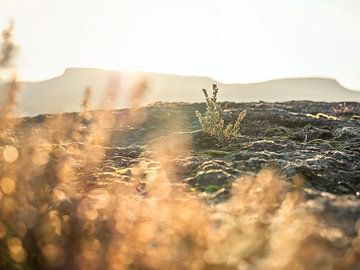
<point x="213" y="123"/>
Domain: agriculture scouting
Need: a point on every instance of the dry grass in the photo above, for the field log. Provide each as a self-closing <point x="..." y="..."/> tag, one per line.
<point x="212" y="122"/>
<point x="8" y="47"/>
<point x="51" y="218"/>
<point x="343" y="109"/>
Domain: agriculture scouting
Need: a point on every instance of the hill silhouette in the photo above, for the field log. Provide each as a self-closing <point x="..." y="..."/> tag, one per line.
<point x="64" y="93"/>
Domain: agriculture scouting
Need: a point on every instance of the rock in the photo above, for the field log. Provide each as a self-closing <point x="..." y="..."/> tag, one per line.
<point x="309" y="133"/>
<point x="211" y="177"/>
<point x="109" y="169"/>
<point x="345" y="133"/>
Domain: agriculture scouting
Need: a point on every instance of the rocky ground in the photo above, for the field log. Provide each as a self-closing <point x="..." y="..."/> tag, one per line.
<point x="300" y="138"/>
<point x="304" y="138"/>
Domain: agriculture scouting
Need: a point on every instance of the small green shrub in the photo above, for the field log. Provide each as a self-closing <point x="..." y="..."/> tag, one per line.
<point x="212" y="121"/>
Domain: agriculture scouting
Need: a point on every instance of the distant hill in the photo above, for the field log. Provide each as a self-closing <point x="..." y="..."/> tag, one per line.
<point x="64" y="93"/>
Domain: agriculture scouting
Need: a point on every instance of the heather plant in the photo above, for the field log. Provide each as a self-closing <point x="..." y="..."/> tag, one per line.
<point x="212" y="122"/>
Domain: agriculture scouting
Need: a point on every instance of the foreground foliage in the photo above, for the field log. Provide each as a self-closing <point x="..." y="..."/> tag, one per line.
<point x="53" y="217"/>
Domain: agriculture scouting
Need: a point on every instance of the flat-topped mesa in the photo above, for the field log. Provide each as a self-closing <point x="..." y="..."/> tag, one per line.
<point x="63" y="93"/>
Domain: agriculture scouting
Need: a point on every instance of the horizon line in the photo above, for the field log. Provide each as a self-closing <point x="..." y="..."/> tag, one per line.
<point x="186" y="75"/>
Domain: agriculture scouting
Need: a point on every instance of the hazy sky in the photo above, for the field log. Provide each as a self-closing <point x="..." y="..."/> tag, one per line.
<point x="229" y="40"/>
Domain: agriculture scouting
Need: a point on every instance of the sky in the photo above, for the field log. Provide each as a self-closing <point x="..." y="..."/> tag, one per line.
<point x="228" y="40"/>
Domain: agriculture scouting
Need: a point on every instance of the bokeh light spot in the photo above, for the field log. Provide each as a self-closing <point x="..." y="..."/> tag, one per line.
<point x="10" y="154"/>
<point x="7" y="185"/>
<point x="15" y="247"/>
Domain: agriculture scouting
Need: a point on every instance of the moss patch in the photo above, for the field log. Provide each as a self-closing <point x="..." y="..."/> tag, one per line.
<point x="215" y="153"/>
<point x="212" y="188"/>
